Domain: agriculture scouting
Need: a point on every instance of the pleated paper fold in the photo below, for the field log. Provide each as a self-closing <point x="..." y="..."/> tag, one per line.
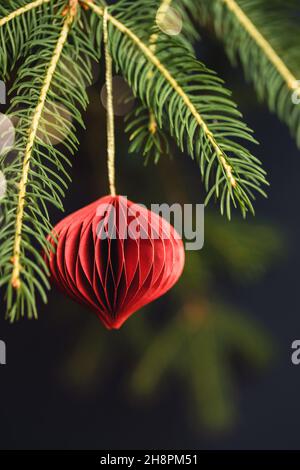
<point x="115" y="256"/>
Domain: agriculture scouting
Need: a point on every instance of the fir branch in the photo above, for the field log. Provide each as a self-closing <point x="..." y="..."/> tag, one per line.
<point x="264" y="36"/>
<point x="51" y="82"/>
<point x="146" y="136"/>
<point x="16" y="282"/>
<point x="16" y="22"/>
<point x="165" y="4"/>
<point x="21" y="11"/>
<point x="265" y="46"/>
<point x="191" y="99"/>
<point x="165" y="9"/>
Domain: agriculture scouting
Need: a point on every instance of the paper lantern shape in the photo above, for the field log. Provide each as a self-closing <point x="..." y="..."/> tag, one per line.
<point x="115" y="256"/>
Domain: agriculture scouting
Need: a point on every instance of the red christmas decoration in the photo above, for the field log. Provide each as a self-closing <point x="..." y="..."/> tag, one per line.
<point x="115" y="256"/>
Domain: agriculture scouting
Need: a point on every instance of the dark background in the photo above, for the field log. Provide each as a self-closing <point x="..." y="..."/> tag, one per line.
<point x="41" y="409"/>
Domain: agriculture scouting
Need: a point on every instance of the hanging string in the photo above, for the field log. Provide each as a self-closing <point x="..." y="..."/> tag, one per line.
<point x="110" y="109"/>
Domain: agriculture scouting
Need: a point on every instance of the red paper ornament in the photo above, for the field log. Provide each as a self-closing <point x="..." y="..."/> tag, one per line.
<point x="115" y="257"/>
